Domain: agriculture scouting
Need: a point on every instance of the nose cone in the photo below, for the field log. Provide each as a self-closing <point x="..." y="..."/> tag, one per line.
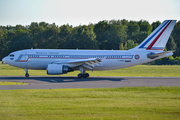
<point x="4" y="60"/>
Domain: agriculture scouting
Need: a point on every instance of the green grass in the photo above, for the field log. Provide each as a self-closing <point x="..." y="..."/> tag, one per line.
<point x="140" y="103"/>
<point x="12" y="83"/>
<point x="140" y="70"/>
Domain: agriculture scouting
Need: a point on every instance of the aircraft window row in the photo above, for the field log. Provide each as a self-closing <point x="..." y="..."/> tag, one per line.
<point x="33" y="56"/>
<point x="119" y="56"/>
<point x="86" y="56"/>
<point x="114" y="56"/>
<point x="12" y="55"/>
<point x="57" y="56"/>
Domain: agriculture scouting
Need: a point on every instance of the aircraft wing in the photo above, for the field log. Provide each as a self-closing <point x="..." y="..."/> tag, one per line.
<point x="87" y="63"/>
<point x="155" y="55"/>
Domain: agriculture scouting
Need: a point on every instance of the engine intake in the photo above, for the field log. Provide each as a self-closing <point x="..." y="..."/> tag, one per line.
<point x="55" y="69"/>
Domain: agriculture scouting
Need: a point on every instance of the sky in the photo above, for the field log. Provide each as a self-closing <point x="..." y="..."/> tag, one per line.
<point x="84" y="12"/>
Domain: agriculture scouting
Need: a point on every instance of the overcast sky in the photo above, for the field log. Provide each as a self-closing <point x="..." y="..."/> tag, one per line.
<point x="76" y="12"/>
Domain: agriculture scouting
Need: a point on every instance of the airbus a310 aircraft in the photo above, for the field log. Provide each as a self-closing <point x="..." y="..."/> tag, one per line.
<point x="62" y="61"/>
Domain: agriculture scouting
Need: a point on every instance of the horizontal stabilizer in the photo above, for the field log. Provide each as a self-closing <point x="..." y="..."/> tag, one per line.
<point x="155" y="55"/>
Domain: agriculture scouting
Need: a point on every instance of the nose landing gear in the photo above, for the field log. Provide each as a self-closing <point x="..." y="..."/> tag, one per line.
<point x="26" y="75"/>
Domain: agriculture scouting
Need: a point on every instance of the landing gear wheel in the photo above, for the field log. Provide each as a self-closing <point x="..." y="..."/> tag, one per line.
<point x="79" y="75"/>
<point x="87" y="74"/>
<point x="26" y="75"/>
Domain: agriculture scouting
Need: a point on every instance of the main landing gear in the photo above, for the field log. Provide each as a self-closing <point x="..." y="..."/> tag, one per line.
<point x="83" y="73"/>
<point x="26" y="75"/>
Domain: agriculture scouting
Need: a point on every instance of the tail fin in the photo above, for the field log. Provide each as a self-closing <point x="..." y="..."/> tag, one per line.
<point x="158" y="38"/>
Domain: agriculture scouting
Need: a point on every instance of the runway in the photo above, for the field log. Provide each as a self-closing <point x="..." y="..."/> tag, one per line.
<point x="44" y="82"/>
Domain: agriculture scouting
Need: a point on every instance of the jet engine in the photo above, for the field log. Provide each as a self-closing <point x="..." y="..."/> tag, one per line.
<point x="55" y="69"/>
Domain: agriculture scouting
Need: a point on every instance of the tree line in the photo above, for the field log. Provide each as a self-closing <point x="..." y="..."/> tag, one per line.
<point x="104" y="35"/>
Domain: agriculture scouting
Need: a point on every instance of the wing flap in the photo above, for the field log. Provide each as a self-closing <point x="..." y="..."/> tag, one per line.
<point x="91" y="60"/>
<point x="87" y="63"/>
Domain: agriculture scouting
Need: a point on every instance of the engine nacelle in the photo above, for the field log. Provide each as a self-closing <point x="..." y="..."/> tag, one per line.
<point x="55" y="69"/>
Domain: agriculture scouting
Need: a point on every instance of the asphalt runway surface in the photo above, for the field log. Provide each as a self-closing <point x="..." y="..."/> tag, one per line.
<point x="45" y="82"/>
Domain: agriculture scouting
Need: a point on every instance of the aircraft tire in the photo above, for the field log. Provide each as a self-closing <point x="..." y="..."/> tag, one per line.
<point x="87" y="74"/>
<point x="80" y="75"/>
<point x="26" y="75"/>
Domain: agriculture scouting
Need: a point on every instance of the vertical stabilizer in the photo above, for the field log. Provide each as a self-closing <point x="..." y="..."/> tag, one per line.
<point x="158" y="38"/>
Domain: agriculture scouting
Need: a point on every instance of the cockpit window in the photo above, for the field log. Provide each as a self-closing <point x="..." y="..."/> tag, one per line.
<point x="11" y="55"/>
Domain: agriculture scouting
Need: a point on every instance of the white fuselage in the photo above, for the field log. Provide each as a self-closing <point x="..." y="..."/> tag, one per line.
<point x="110" y="59"/>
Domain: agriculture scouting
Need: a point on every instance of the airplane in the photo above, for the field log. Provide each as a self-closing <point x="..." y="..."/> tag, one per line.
<point x="60" y="61"/>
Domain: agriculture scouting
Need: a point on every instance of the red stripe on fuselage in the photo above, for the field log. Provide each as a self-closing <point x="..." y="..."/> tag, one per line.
<point x="154" y="41"/>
